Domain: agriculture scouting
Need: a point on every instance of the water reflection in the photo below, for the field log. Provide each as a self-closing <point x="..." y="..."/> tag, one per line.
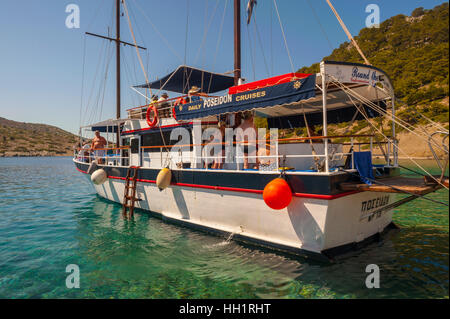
<point x="413" y="262"/>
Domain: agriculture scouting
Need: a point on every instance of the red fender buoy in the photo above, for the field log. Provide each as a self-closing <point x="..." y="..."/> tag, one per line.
<point x="277" y="194"/>
<point x="155" y="118"/>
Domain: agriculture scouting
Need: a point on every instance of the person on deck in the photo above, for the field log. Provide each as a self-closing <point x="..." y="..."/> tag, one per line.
<point x="219" y="159"/>
<point x="207" y="153"/>
<point x="98" y="145"/>
<point x="163" y="106"/>
<point x="194" y="94"/>
<point x="246" y="135"/>
<point x="84" y="153"/>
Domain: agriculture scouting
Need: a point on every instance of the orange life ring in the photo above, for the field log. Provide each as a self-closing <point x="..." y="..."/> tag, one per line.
<point x="152" y="123"/>
<point x="180" y="101"/>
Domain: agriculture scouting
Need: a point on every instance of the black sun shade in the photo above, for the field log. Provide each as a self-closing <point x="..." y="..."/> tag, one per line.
<point x="185" y="77"/>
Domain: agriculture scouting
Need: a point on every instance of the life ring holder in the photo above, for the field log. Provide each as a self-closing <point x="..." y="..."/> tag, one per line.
<point x="152" y="123"/>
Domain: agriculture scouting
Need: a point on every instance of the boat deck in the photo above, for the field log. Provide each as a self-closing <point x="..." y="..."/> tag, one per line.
<point x="398" y="184"/>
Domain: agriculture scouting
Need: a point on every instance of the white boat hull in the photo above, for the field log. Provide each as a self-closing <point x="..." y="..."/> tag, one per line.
<point x="306" y="225"/>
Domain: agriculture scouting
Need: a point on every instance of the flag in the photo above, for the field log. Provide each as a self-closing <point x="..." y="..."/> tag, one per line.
<point x="250" y="5"/>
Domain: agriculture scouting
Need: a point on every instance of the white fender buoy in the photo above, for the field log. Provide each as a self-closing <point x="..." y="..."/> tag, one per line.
<point x="163" y="179"/>
<point x="92" y="167"/>
<point x="99" y="177"/>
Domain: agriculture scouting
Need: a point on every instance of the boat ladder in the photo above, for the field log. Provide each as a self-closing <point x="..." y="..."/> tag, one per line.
<point x="130" y="200"/>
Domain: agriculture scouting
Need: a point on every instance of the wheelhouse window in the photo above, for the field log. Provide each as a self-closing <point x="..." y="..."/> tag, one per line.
<point x="134" y="147"/>
<point x="155" y="139"/>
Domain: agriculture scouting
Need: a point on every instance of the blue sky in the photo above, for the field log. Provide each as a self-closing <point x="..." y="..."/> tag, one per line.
<point x="42" y="61"/>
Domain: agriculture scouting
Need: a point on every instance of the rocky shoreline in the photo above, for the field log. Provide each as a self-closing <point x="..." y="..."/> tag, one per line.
<point x="34" y="154"/>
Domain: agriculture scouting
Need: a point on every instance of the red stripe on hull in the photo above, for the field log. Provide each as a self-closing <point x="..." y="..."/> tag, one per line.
<point x="242" y="190"/>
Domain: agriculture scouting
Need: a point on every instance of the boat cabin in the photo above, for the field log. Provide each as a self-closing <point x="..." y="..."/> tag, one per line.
<point x="173" y="132"/>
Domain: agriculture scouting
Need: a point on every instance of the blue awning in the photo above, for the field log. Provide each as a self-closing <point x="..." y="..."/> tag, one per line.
<point x="185" y="77"/>
<point x="282" y="94"/>
<point x="104" y="129"/>
<point x="107" y="126"/>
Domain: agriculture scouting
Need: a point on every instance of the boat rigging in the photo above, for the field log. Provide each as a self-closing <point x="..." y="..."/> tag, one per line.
<point x="322" y="192"/>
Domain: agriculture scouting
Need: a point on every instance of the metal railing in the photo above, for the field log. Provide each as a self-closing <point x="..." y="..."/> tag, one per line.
<point x="108" y="156"/>
<point x="266" y="161"/>
<point x="165" y="107"/>
<point x="203" y="161"/>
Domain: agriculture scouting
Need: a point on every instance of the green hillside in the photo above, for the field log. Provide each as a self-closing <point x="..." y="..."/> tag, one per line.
<point x="28" y="139"/>
<point x="414" y="51"/>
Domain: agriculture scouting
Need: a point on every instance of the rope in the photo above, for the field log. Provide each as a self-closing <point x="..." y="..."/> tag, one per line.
<point x="396" y="120"/>
<point x="159" y="33"/>
<point x="320" y="24"/>
<point x="284" y="36"/>
<point x="93" y="83"/>
<point x="313" y="151"/>
<point x="380" y="110"/>
<point x="135" y="44"/>
<point x="205" y="33"/>
<point x="364" y="113"/>
<point x="411" y="170"/>
<point x="252" y="58"/>
<point x="435" y="124"/>
<point x="145" y="73"/>
<point x="271" y="42"/>
<point x="104" y="85"/>
<point x="128" y="74"/>
<point x="345" y="89"/>
<point x="219" y="38"/>
<point x="82" y="80"/>
<point x="186" y="34"/>
<point x="350" y="37"/>
<point x="260" y="45"/>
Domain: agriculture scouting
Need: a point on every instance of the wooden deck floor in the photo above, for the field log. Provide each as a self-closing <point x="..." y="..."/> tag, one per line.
<point x="418" y="186"/>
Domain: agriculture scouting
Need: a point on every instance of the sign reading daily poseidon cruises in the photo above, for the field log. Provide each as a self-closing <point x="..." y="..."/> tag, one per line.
<point x="286" y="93"/>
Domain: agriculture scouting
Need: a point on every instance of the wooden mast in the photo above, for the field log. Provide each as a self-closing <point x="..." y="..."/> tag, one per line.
<point x="118" y="68"/>
<point x="237" y="41"/>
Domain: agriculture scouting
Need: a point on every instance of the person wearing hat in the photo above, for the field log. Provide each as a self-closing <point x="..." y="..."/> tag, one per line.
<point x="193" y="94"/>
<point x="163" y="106"/>
<point x="163" y="97"/>
<point x="153" y="100"/>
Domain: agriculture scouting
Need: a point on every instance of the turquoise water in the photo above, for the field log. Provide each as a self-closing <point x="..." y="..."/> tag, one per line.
<point x="51" y="217"/>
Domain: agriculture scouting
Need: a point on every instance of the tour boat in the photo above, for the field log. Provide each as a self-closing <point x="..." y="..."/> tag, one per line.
<point x="320" y="196"/>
